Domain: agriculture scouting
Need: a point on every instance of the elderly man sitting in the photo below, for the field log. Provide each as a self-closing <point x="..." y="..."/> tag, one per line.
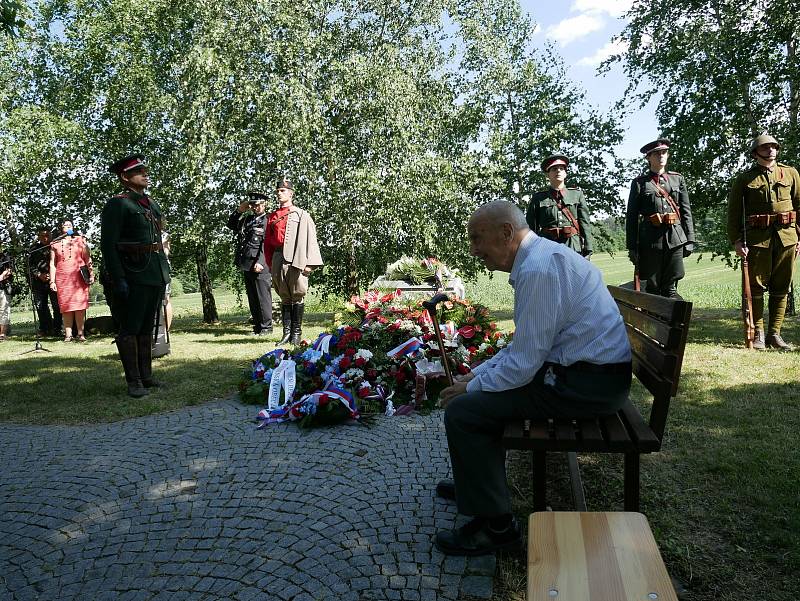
<point x="570" y="358"/>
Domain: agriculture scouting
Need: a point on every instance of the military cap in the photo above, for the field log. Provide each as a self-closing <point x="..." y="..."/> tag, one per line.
<point x="284" y="182"/>
<point x="553" y="160"/>
<point x="764" y="138"/>
<point x="257" y="196"/>
<point x="133" y="161"/>
<point x="654" y="146"/>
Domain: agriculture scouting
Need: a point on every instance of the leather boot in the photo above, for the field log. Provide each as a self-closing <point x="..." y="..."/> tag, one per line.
<point x="144" y="354"/>
<point x="775" y="341"/>
<point x="286" y="320"/>
<point x="126" y="345"/>
<point x="297" y="323"/>
<point x="758" y="340"/>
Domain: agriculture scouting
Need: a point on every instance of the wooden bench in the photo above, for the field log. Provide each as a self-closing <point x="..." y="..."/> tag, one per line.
<point x="594" y="556"/>
<point x="657" y="329"/>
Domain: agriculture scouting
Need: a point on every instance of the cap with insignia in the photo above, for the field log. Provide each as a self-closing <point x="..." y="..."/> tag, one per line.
<point x="655" y="146"/>
<point x="553" y="160"/>
<point x="764" y="138"/>
<point x="284" y="182"/>
<point x="257" y="196"/>
<point x="127" y="163"/>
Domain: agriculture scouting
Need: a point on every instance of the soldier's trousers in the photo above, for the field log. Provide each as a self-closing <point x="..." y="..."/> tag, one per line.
<point x="770" y="270"/>
<point x="136" y="314"/>
<point x="661" y="269"/>
<point x="289" y="282"/>
<point x="43" y="299"/>
<point x="259" y="299"/>
<point x="475" y="421"/>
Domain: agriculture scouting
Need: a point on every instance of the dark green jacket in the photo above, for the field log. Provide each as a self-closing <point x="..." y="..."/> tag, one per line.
<point x="644" y="200"/>
<point x="543" y="212"/>
<point x="126" y="221"/>
<point x="760" y="192"/>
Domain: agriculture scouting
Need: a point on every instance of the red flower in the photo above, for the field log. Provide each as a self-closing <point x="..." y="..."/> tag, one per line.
<point x="360" y="362"/>
<point x="472" y="349"/>
<point x="372" y="374"/>
<point x="344" y="363"/>
<point x="350" y="352"/>
<point x="400" y="377"/>
<point x="467" y="331"/>
<point x="490" y="350"/>
<point x="462" y="369"/>
<point x="363" y="391"/>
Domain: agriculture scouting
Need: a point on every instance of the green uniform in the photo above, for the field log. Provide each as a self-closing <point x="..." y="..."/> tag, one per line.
<point x="760" y="200"/>
<point x="660" y="248"/>
<point x="130" y="240"/>
<point x="547" y="216"/>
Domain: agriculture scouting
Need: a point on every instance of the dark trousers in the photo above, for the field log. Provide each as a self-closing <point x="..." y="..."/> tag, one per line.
<point x="136" y="314"/>
<point x="661" y="269"/>
<point x="475" y="421"/>
<point x="43" y="298"/>
<point x="259" y="298"/>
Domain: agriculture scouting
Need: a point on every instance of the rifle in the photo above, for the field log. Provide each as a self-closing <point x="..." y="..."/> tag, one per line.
<point x="637" y="281"/>
<point x="747" y="306"/>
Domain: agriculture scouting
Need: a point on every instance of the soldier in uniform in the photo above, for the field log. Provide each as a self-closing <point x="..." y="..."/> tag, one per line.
<point x="130" y="239"/>
<point x="762" y="226"/>
<point x="43" y="297"/>
<point x="249" y="221"/>
<point x="560" y="213"/>
<point x="659" y="230"/>
<point x="292" y="252"/>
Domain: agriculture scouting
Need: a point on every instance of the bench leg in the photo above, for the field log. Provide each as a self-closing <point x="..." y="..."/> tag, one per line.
<point x="631" y="481"/>
<point x="539" y="468"/>
<point x="578" y="498"/>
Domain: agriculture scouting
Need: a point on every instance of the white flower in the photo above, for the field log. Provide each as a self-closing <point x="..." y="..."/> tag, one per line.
<point x="362" y="353"/>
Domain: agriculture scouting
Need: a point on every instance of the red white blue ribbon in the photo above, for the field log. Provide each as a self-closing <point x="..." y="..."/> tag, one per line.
<point x="409" y="347"/>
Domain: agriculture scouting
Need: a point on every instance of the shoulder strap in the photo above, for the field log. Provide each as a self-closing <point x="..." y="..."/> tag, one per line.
<point x="565" y="210"/>
<point x="665" y="195"/>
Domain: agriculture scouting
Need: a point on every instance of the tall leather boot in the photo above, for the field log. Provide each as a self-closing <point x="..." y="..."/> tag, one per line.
<point x="297" y="323"/>
<point x="144" y="353"/>
<point x="286" y="320"/>
<point x="127" y="347"/>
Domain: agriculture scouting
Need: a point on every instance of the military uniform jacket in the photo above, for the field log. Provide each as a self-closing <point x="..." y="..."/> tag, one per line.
<point x="300" y="245"/>
<point x="543" y="212"/>
<point x="249" y="230"/>
<point x="759" y="191"/>
<point x="644" y="200"/>
<point x="127" y="222"/>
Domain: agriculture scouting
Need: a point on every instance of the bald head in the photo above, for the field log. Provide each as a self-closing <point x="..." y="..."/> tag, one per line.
<point x="498" y="212"/>
<point x="495" y="232"/>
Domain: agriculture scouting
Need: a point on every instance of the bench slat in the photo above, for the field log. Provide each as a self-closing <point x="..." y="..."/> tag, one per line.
<point x="648" y="351"/>
<point x="646" y="440"/>
<point x="670" y="309"/>
<point x="665" y="333"/>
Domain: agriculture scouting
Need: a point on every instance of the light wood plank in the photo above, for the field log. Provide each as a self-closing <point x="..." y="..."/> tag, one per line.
<point x="603" y="556"/>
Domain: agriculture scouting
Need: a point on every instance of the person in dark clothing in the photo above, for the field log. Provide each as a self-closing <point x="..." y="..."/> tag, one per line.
<point x="43" y="297"/>
<point x="249" y="221"/>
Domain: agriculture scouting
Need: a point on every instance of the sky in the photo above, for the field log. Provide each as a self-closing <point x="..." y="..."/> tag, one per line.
<point x="581" y="32"/>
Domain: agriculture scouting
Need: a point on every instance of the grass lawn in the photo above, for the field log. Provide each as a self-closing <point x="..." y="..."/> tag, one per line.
<point x="722" y="496"/>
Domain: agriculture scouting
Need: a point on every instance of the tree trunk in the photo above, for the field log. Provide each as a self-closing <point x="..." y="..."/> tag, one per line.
<point x="210" y="314"/>
<point x="352" y="273"/>
<point x="794" y="90"/>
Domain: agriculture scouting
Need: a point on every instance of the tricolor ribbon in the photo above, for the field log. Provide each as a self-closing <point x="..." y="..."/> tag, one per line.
<point x="323" y="343"/>
<point x="407" y="348"/>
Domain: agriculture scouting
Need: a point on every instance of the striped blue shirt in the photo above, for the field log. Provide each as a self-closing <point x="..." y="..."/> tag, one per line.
<point x="563" y="313"/>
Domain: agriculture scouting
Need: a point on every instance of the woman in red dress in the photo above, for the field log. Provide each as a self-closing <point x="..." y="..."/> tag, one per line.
<point x="70" y="253"/>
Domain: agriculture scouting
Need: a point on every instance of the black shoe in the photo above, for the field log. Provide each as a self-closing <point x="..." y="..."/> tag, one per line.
<point x="477" y="538"/>
<point x="775" y="341"/>
<point x="446" y="489"/>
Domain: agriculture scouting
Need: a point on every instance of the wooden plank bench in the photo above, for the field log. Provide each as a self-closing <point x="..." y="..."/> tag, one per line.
<point x="657" y="329"/>
<point x="594" y="556"/>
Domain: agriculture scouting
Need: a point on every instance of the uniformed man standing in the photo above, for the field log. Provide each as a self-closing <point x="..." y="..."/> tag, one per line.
<point x="249" y="221"/>
<point x="130" y="239"/>
<point x="292" y="252"/>
<point x="659" y="230"/>
<point x="43" y="297"/>
<point x="762" y="225"/>
<point x="560" y="213"/>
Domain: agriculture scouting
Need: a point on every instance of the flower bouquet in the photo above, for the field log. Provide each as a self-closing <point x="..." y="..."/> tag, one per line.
<point x="383" y="359"/>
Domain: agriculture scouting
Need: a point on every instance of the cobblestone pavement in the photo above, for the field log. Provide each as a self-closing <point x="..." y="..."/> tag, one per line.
<point x="197" y="504"/>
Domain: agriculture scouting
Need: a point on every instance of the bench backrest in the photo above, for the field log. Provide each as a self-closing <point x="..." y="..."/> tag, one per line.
<point x="657" y="329"/>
